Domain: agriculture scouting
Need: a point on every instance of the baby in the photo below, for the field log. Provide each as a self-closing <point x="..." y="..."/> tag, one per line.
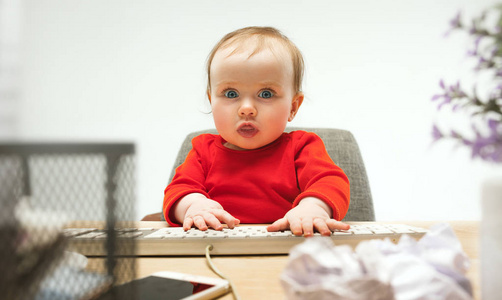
<point x="254" y="172"/>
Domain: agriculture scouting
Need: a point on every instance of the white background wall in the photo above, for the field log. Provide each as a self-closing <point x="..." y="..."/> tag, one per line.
<point x="119" y="70"/>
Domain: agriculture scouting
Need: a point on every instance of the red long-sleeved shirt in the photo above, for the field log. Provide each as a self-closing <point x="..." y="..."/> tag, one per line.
<point x="261" y="185"/>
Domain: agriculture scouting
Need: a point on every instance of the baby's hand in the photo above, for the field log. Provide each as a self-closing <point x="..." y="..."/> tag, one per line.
<point x="309" y="215"/>
<point x="203" y="213"/>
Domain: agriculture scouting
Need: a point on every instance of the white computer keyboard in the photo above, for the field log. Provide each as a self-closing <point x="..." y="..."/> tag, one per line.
<point x="242" y="240"/>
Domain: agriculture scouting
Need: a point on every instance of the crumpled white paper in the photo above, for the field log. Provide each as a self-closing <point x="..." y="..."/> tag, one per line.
<point x="432" y="268"/>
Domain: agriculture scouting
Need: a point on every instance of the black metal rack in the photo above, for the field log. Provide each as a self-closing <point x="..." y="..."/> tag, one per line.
<point x="45" y="187"/>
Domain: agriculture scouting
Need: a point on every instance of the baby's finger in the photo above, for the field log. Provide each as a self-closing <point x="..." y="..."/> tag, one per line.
<point x="212" y="221"/>
<point x="334" y="225"/>
<point x="199" y="222"/>
<point x="295" y="226"/>
<point x="321" y="226"/>
<point x="308" y="227"/>
<point x="225" y="217"/>
<point x="187" y="223"/>
<point x="281" y="224"/>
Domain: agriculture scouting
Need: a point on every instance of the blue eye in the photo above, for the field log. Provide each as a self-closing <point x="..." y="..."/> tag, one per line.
<point x="231" y="94"/>
<point x="266" y="94"/>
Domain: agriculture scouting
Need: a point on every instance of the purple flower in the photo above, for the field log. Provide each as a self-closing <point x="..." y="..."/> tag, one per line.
<point x="494" y="125"/>
<point x="487" y="145"/>
<point x="436" y="133"/>
<point x="446" y="100"/>
<point x="475" y="49"/>
<point x="494" y="51"/>
<point x="455" y="23"/>
<point x="437" y="96"/>
<point x="477" y="146"/>
<point x="455" y="107"/>
<point x="451" y="93"/>
<point x="455" y="135"/>
<point x="496" y="93"/>
<point x="482" y="63"/>
<point x="457" y="90"/>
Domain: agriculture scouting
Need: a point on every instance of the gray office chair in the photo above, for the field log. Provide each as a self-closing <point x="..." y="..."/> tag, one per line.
<point x="343" y="150"/>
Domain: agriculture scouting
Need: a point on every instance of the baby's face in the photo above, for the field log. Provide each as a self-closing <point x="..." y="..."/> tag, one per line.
<point x="252" y="98"/>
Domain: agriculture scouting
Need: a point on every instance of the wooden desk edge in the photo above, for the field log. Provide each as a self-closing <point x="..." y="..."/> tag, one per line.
<point x="467" y="233"/>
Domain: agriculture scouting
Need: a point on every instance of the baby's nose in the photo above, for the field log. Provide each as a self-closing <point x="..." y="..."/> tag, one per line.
<point x="247" y="109"/>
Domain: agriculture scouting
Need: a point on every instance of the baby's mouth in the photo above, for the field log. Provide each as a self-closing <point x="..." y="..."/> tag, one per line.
<point x="247" y="130"/>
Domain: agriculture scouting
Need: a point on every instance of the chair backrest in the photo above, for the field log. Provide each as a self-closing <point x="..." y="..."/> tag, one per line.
<point x="343" y="150"/>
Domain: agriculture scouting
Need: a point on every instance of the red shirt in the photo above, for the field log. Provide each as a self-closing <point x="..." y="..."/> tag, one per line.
<point x="261" y="185"/>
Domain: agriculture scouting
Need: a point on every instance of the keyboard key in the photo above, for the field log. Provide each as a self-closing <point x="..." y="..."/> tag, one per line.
<point x="72" y="232"/>
<point x="90" y="235"/>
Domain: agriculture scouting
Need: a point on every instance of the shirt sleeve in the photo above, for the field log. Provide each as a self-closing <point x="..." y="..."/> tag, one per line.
<point x="318" y="176"/>
<point x="189" y="178"/>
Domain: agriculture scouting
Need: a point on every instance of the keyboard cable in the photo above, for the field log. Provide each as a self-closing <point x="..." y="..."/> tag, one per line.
<point x="217" y="272"/>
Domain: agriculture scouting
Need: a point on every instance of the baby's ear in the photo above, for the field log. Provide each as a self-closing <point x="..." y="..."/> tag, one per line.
<point x="208" y="95"/>
<point x="295" y="105"/>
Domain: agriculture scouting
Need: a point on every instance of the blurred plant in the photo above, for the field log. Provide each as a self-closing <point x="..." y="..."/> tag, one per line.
<point x="485" y="143"/>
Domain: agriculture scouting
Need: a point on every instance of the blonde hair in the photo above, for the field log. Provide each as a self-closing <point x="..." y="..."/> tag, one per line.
<point x="263" y="35"/>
